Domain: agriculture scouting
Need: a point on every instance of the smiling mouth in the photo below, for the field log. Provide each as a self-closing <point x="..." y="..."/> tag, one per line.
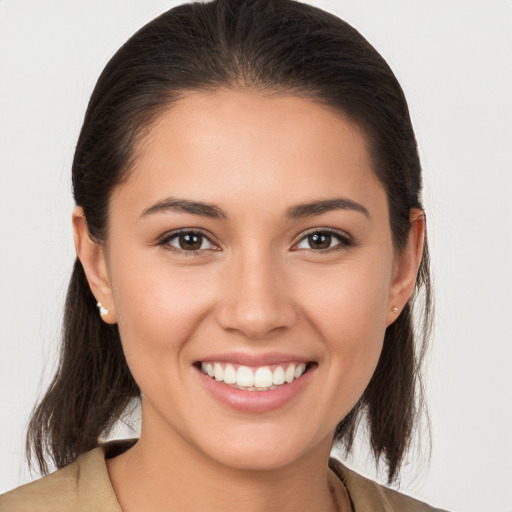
<point x="261" y="378"/>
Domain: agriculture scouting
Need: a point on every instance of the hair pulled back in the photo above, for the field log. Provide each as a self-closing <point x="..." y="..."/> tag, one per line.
<point x="275" y="47"/>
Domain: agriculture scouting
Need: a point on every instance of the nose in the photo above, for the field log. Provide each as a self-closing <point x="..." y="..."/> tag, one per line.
<point x="256" y="298"/>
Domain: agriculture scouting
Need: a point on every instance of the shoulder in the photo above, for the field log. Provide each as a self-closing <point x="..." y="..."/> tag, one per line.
<point x="369" y="496"/>
<point x="57" y="491"/>
<point x="82" y="485"/>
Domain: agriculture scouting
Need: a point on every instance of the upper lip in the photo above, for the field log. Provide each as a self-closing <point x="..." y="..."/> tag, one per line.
<point x="245" y="359"/>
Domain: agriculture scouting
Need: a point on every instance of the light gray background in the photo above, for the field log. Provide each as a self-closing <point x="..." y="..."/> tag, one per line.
<point x="454" y="61"/>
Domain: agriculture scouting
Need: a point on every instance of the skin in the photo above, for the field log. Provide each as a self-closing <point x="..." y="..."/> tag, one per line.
<point x="257" y="287"/>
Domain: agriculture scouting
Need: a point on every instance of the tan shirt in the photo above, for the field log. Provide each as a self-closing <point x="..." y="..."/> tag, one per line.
<point x="84" y="486"/>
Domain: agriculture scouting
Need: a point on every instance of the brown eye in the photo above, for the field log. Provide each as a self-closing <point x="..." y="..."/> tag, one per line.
<point x="323" y="241"/>
<point x="319" y="241"/>
<point x="188" y="241"/>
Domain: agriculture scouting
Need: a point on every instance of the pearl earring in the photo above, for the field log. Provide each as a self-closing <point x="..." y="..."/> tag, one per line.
<point x="103" y="310"/>
<point x="395" y="310"/>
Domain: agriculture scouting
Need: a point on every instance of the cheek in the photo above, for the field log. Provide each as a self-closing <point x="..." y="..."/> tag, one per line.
<point x="350" y="298"/>
<point x="158" y="307"/>
<point x="347" y="305"/>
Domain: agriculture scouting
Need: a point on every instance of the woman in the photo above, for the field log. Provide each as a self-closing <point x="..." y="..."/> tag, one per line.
<point x="250" y="237"/>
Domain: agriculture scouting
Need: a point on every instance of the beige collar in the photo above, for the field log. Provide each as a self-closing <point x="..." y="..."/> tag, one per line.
<point x="365" y="495"/>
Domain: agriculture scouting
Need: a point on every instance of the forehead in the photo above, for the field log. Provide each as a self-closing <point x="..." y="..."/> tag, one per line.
<point x="228" y="144"/>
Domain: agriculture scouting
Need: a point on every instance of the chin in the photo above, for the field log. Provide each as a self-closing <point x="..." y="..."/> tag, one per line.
<point x="257" y="459"/>
<point x="262" y="449"/>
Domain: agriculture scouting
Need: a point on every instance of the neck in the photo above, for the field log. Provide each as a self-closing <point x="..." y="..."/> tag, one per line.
<point x="165" y="473"/>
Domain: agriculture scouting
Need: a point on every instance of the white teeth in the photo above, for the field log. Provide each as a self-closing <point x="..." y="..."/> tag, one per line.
<point x="262" y="379"/>
<point x="278" y="376"/>
<point x="299" y="370"/>
<point x="289" y="375"/>
<point x="230" y="375"/>
<point x="219" y="372"/>
<point x="245" y="377"/>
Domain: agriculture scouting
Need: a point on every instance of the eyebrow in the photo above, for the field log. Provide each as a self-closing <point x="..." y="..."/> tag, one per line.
<point x="212" y="211"/>
<point x="319" y="207"/>
<point x="186" y="206"/>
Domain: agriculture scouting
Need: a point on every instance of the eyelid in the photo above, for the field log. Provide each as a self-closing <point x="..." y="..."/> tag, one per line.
<point x="164" y="239"/>
<point x="345" y="239"/>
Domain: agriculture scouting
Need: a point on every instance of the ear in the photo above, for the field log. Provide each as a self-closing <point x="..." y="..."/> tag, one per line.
<point x="406" y="266"/>
<point x="92" y="256"/>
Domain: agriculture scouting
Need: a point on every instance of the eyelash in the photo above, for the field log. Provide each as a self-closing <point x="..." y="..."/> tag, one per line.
<point x="344" y="241"/>
<point x="165" y="240"/>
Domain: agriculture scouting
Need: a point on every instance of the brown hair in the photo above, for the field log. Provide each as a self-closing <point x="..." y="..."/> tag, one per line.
<point x="268" y="45"/>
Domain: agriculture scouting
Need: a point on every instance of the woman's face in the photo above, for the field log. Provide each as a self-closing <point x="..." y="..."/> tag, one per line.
<point x="252" y="241"/>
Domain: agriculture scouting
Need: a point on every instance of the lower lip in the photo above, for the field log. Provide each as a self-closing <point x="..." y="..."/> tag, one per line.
<point x="255" y="401"/>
